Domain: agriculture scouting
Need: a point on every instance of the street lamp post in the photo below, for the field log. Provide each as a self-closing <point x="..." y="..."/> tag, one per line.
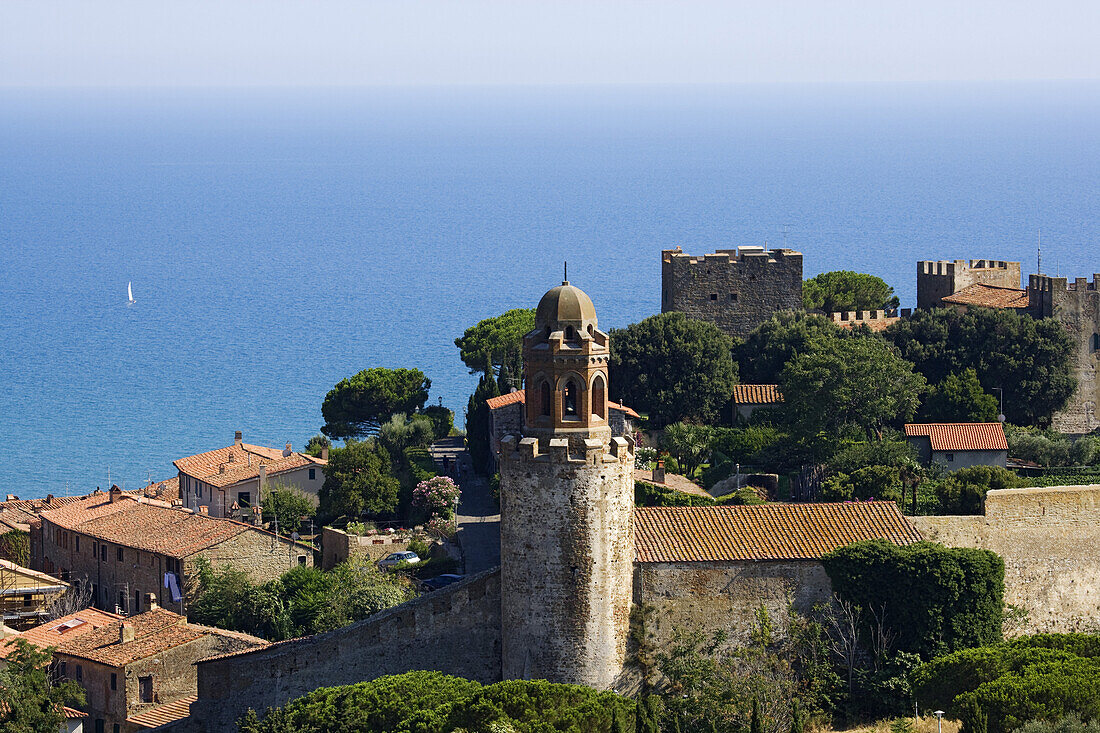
<point x="939" y="721"/>
<point x="1001" y="394"/>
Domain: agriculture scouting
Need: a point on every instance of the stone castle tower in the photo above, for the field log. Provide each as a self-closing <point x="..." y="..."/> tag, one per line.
<point x="567" y="503"/>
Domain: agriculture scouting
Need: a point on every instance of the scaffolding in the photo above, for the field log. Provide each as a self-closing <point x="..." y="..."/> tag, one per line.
<point x="25" y="595"/>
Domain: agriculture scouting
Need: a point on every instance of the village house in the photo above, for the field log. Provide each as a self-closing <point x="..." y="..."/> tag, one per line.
<point x="138" y="672"/>
<point x="61" y="629"/>
<point x="125" y="546"/>
<point x="25" y="595"/>
<point x="229" y="481"/>
<point x="959" y="445"/>
<point x="748" y="398"/>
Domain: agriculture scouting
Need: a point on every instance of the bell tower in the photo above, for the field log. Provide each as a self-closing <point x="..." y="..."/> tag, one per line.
<point x="567" y="507"/>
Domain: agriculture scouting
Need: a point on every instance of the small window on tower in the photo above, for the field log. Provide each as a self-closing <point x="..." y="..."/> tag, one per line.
<point x="733" y="297"/>
<point x="1096" y="342"/>
<point x="570" y="334"/>
<point x="714" y="296"/>
<point x="569" y="404"/>
<point x="544" y="399"/>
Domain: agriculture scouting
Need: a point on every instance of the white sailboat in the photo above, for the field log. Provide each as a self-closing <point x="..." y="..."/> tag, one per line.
<point x="130" y="291"/>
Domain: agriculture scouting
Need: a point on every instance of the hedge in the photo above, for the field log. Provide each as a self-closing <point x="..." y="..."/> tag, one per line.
<point x="935" y="599"/>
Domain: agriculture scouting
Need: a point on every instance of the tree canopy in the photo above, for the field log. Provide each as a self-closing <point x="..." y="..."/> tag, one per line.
<point x="358" y="481"/>
<point x="673" y="367"/>
<point x="778" y="340"/>
<point x="1028" y="358"/>
<point x="29" y="701"/>
<point x="358" y="404"/>
<point x="496" y="344"/>
<point x="959" y="398"/>
<point x="432" y="702"/>
<point x="856" y="382"/>
<point x="844" y="290"/>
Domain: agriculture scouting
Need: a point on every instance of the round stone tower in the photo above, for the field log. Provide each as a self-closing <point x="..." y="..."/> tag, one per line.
<point x="567" y="502"/>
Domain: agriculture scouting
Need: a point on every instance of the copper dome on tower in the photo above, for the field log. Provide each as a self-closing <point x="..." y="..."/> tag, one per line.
<point x="565" y="304"/>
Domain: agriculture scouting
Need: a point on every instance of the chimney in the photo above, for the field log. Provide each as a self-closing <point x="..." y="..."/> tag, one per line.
<point x="287" y="451"/>
<point x="204" y="510"/>
<point x="221" y="466"/>
<point x="49" y="498"/>
<point x="324" y="453"/>
<point x="659" y="472"/>
<point x="237" y="438"/>
<point x="257" y="516"/>
<point x="125" y="633"/>
<point x="263" y="478"/>
<point x="12" y="497"/>
<point x="151" y="601"/>
<point x="231" y="456"/>
<point x="116" y="494"/>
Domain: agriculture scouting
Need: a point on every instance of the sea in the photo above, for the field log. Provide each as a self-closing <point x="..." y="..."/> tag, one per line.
<point x="279" y="240"/>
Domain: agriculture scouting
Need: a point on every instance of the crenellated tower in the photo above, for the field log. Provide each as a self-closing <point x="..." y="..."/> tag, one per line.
<point x="567" y="503"/>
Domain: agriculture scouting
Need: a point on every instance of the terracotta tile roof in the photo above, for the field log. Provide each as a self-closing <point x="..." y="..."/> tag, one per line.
<point x="154" y="632"/>
<point x="763" y="532"/>
<point x="518" y="397"/>
<point x="756" y="394"/>
<point x="227" y="466"/>
<point x="71" y="714"/>
<point x="960" y="436"/>
<point x="19" y="513"/>
<point x="988" y="296"/>
<point x="163" y="714"/>
<point x="53" y="633"/>
<point x="145" y="525"/>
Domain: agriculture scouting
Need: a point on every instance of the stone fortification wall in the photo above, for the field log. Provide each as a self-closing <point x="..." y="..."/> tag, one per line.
<point x="725" y="596"/>
<point x="455" y="630"/>
<point x="566" y="543"/>
<point x="1050" y="541"/>
<point x="1077" y="306"/>
<point x="937" y="280"/>
<point x="735" y="289"/>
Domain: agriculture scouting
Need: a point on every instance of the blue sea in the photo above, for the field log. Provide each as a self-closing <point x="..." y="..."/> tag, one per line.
<point x="279" y="240"/>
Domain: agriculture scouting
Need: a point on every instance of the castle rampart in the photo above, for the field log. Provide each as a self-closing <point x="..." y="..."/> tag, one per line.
<point x="1050" y="541"/>
<point x="735" y="289"/>
<point x="1076" y="305"/>
<point x="938" y="279"/>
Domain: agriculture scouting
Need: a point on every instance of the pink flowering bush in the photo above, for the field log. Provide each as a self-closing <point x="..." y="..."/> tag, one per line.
<point x="440" y="527"/>
<point x="438" y="494"/>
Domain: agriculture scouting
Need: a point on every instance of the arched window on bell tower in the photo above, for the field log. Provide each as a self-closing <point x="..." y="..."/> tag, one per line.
<point x="569" y="399"/>
<point x="599" y="397"/>
<point x="545" y="398"/>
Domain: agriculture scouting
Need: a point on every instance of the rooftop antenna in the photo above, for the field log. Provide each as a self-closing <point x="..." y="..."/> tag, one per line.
<point x="565" y="274"/>
<point x="1039" y="253"/>
<point x="785" y="228"/>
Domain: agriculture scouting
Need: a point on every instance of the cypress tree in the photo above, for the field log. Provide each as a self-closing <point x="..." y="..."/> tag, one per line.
<point x="798" y="723"/>
<point x="617" y="724"/>
<point x="477" y="423"/>
<point x="756" y="725"/>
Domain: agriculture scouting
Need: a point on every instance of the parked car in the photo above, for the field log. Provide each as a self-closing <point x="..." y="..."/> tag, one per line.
<point x="440" y="581"/>
<point x="396" y="558"/>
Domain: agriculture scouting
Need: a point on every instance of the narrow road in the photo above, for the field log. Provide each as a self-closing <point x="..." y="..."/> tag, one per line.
<point x="478" y="517"/>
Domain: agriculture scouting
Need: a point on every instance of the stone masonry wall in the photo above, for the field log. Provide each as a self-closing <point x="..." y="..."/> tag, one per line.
<point x="937" y="280"/>
<point x="725" y="596"/>
<point x="566" y="543"/>
<point x="260" y="554"/>
<point x="1050" y="541"/>
<point x="338" y="546"/>
<point x="736" y="290"/>
<point x="455" y="630"/>
<point x="1077" y="306"/>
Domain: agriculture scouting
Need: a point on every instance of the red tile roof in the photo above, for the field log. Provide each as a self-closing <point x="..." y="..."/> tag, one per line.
<point x="163" y="714"/>
<point x="988" y="296"/>
<point x="518" y="397"/>
<point x="154" y="632"/>
<point x="19" y="513"/>
<point x="228" y="466"/>
<point x="756" y="394"/>
<point x="960" y="436"/>
<point x="147" y="525"/>
<point x="763" y="532"/>
<point x="53" y="633"/>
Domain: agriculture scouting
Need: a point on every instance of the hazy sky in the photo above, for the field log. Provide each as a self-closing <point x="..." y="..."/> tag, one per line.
<point x="312" y="42"/>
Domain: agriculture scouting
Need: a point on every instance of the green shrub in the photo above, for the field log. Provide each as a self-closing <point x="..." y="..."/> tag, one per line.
<point x="934" y="599"/>
<point x="15" y="546"/>
<point x="870" y="482"/>
<point x="443" y="420"/>
<point x="854" y="456"/>
<point x="1040" y="691"/>
<point x="1072" y="723"/>
<point x="744" y="445"/>
<point x="431" y="702"/>
<point x="420" y="464"/>
<point x="963" y="491"/>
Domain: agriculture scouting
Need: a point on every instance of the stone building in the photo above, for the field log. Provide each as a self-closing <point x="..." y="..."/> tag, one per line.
<point x="126" y="546"/>
<point x="1076" y="305"/>
<point x="735" y="289"/>
<point x="578" y="561"/>
<point x="748" y="398"/>
<point x="938" y="280"/>
<point x="959" y="445"/>
<point x="229" y="481"/>
<point x="132" y="668"/>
